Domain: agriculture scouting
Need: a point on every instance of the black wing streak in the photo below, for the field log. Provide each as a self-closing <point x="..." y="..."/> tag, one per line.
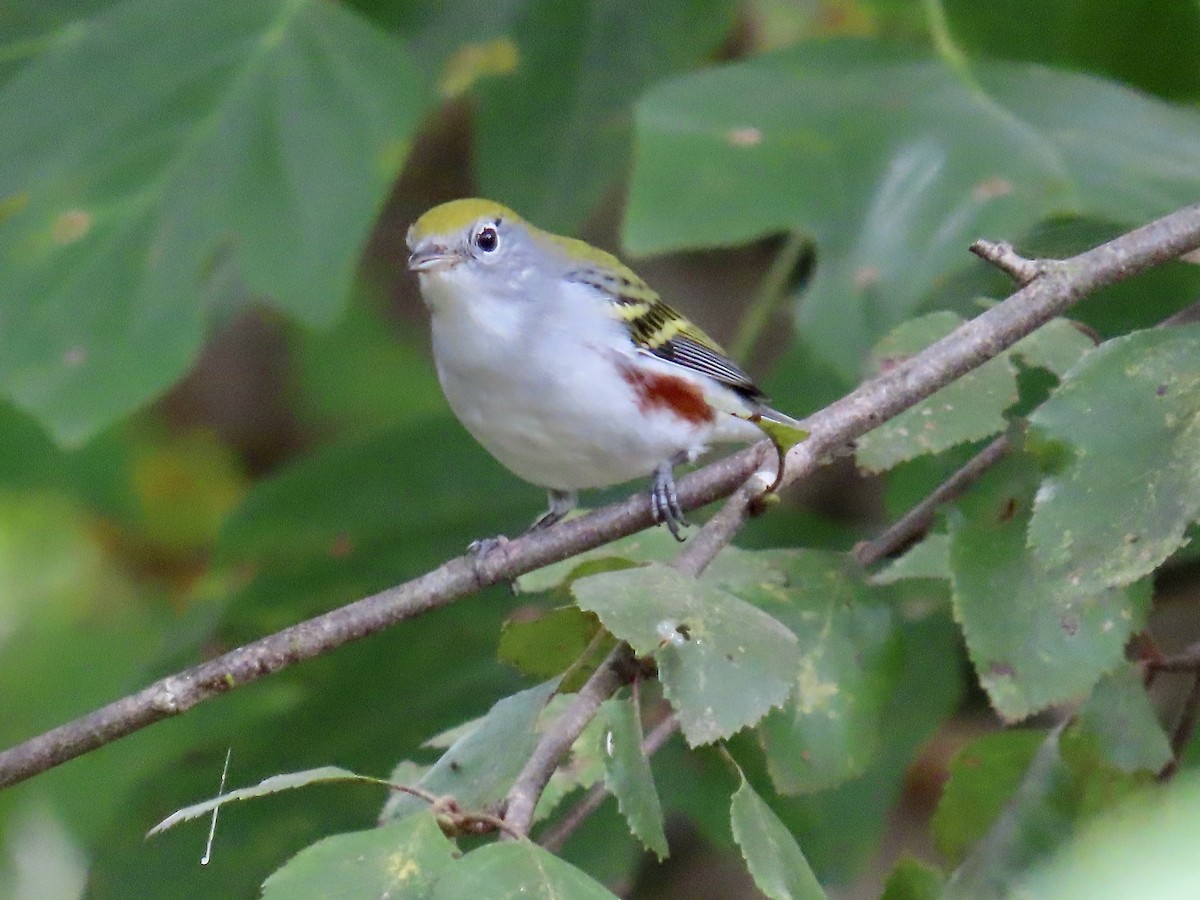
<point x="684" y="351"/>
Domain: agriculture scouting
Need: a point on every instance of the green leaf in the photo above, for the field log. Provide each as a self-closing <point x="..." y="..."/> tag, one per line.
<point x="840" y="829"/>
<point x="554" y="128"/>
<point x="722" y="662"/>
<point x="1126" y="421"/>
<point x="1120" y="718"/>
<point x="480" y="766"/>
<point x="1055" y="347"/>
<point x="928" y="559"/>
<point x="983" y="777"/>
<point x="157" y="163"/>
<point x="547" y="645"/>
<point x="652" y="545"/>
<point x="516" y="869"/>
<point x="772" y="855"/>
<point x="913" y="880"/>
<point x="849" y="663"/>
<point x="628" y="777"/>
<point x="894" y="164"/>
<point x="1065" y="785"/>
<point x="28" y="458"/>
<point x="287" y="781"/>
<point x="968" y="409"/>
<point x="1034" y="636"/>
<point x="401" y="859"/>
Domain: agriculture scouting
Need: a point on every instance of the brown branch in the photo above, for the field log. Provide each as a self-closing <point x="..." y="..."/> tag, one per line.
<point x="556" y="742"/>
<point x="1052" y="290"/>
<point x="1007" y="260"/>
<point x="560" y="833"/>
<point x="1187" y="660"/>
<point x="914" y="523"/>
<point x="558" y="738"/>
<point x="718" y="531"/>
<point x="1185" y="726"/>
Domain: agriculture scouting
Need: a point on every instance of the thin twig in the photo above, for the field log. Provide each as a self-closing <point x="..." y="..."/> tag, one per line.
<point x="561" y="831"/>
<point x="556" y="742"/>
<point x="1186" y="660"/>
<point x="914" y="523"/>
<point x="1053" y="290"/>
<point x="718" y="531"/>
<point x="1002" y="255"/>
<point x="1184" y="726"/>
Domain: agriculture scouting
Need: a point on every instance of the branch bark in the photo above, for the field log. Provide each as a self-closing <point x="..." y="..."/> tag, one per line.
<point x="1053" y="288"/>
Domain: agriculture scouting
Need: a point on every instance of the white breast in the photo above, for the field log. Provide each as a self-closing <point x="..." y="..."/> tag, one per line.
<point x="535" y="382"/>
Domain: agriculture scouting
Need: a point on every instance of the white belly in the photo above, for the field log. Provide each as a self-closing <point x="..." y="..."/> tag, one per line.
<point x="555" y="411"/>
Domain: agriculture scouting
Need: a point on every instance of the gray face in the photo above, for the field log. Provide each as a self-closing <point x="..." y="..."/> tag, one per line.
<point x="490" y="241"/>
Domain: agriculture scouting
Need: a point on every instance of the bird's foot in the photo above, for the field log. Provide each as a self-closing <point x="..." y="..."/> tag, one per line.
<point x="664" y="501"/>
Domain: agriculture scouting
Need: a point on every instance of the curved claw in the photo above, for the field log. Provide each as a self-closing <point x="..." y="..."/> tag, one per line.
<point x="664" y="501"/>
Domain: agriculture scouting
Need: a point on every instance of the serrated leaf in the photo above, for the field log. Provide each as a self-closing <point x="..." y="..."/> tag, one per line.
<point x="1034" y="636"/>
<point x="841" y="829"/>
<point x="775" y="860"/>
<point x="165" y="163"/>
<point x="628" y="777"/>
<point x="1127" y="420"/>
<point x="400" y="859"/>
<point x="928" y="559"/>
<point x="894" y="163"/>
<point x="722" y="662"/>
<point x="516" y="869"/>
<point x="849" y="662"/>
<point x="968" y="409"/>
<point x="480" y="766"/>
<point x="273" y="785"/>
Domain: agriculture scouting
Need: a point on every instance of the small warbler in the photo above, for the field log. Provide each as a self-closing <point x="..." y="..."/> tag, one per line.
<point x="565" y="365"/>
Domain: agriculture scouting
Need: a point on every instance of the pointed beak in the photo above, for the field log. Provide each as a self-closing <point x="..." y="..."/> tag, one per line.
<point x="429" y="256"/>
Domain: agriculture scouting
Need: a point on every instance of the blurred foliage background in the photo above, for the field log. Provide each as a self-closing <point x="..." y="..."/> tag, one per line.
<point x="218" y="415"/>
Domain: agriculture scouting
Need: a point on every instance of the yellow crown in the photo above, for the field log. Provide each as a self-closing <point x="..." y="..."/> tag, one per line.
<point x="456" y="215"/>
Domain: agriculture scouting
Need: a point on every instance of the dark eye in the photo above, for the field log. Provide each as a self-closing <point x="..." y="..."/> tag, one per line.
<point x="486" y="239"/>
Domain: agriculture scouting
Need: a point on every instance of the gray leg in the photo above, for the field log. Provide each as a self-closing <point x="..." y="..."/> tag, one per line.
<point x="664" y="501"/>
<point x="561" y="503"/>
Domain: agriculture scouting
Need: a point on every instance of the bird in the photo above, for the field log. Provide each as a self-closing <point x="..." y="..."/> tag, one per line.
<point x="566" y="366"/>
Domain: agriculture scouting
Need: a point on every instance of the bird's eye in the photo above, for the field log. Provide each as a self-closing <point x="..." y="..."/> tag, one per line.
<point x="486" y="239"/>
